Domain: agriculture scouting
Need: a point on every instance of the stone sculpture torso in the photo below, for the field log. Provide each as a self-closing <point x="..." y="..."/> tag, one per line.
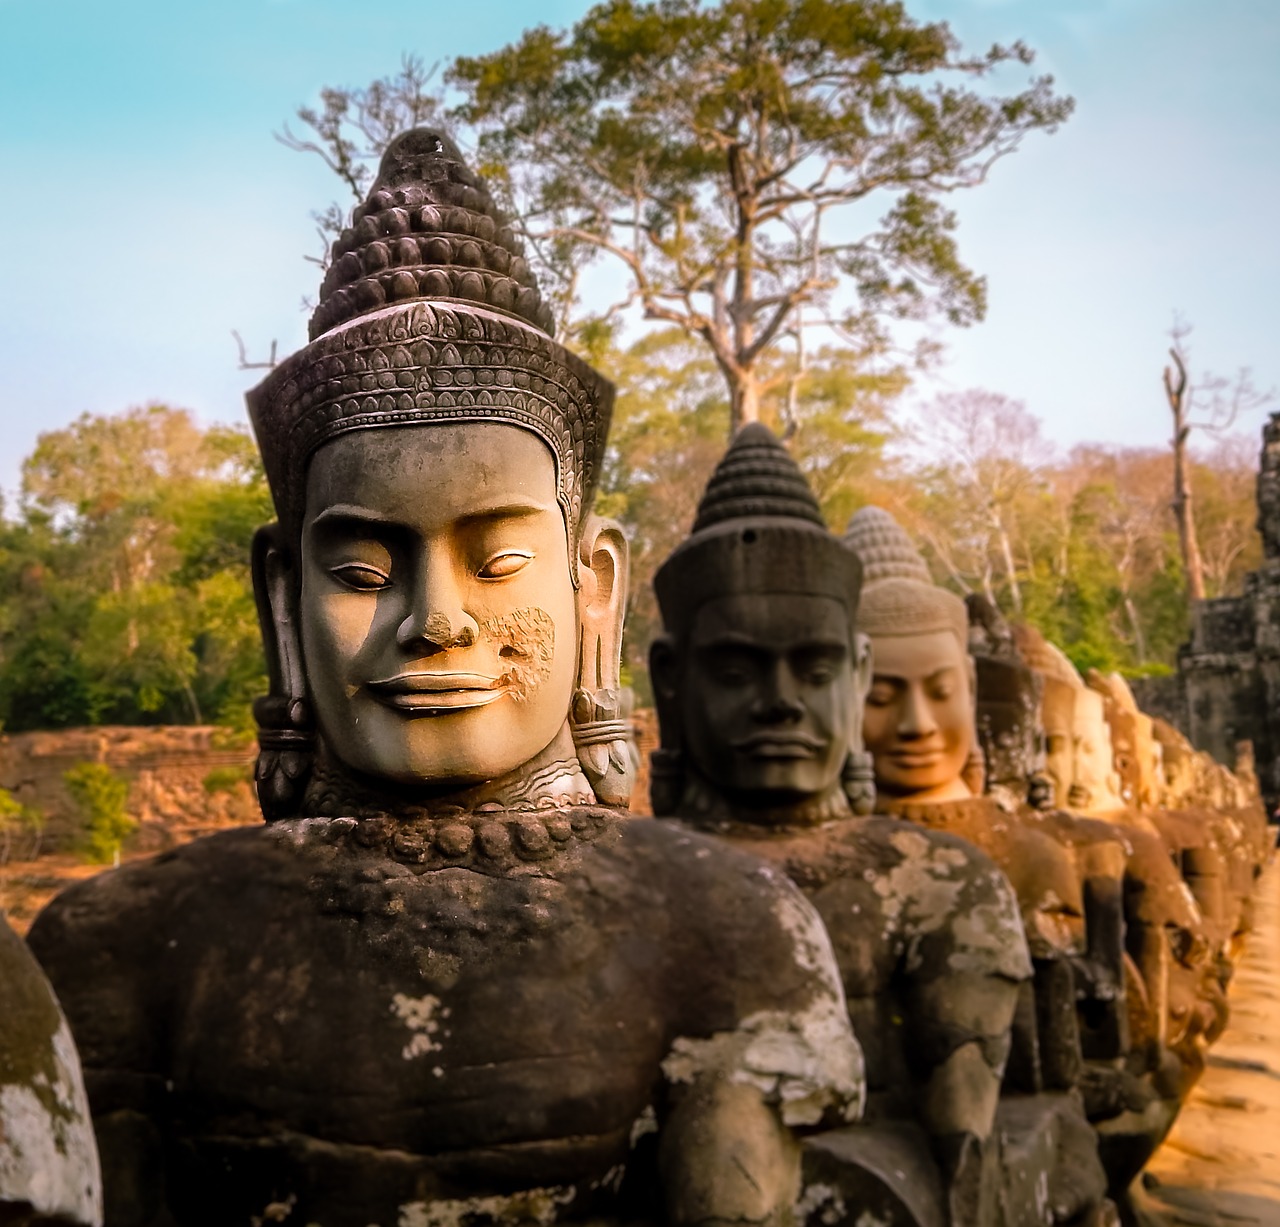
<point x="386" y="1028"/>
<point x="48" y="1161"/>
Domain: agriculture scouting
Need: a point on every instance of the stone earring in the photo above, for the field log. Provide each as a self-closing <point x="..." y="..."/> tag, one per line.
<point x="286" y="754"/>
<point x="974" y="773"/>
<point x="602" y="739"/>
<point x="858" y="778"/>
<point x="666" y="781"/>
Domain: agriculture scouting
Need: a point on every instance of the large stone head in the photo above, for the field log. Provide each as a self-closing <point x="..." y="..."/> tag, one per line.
<point x="1095" y="785"/>
<point x="436" y="594"/>
<point x="1060" y="684"/>
<point x="760" y="676"/>
<point x="1008" y="701"/>
<point x="919" y="720"/>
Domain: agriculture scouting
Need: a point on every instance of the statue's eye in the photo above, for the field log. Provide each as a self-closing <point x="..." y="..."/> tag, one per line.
<point x="504" y="564"/>
<point x="361" y="577"/>
<point x="881" y="695"/>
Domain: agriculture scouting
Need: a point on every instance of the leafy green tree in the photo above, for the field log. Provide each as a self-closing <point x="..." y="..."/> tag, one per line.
<point x="102" y="798"/>
<point x="126" y="593"/>
<point x="21" y="827"/>
<point x="756" y="169"/>
<point x="732" y="159"/>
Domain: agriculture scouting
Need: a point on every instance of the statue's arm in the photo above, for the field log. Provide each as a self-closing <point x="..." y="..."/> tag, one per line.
<point x="783" y="1062"/>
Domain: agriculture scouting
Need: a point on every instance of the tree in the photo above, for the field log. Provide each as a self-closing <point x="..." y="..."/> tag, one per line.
<point x="986" y="462"/>
<point x="102" y="798"/>
<point x="731" y="159"/>
<point x="349" y="131"/>
<point x="124" y="583"/>
<point x="727" y="158"/>
<point x="1219" y="402"/>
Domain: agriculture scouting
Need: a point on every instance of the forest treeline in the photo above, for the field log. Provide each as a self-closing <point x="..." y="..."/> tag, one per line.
<point x="125" y="594"/>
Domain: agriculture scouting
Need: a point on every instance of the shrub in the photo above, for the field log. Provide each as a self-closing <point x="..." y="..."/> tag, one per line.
<point x="225" y="779"/>
<point x="101" y="796"/>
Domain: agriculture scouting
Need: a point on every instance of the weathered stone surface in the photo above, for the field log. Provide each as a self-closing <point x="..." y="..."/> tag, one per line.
<point x="169" y="771"/>
<point x="759" y="679"/>
<point x="48" y="1160"/>
<point x="372" y="1036"/>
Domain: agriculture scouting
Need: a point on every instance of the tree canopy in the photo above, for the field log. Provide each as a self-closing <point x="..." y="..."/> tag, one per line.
<point x="124" y="583"/>
<point x="756" y="169"/>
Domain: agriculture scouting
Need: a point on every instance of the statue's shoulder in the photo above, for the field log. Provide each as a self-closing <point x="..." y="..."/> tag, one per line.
<point x="956" y="904"/>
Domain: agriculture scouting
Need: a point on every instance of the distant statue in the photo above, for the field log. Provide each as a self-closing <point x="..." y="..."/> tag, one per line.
<point x="445" y="984"/>
<point x="759" y="680"/>
<point x="48" y="1161"/>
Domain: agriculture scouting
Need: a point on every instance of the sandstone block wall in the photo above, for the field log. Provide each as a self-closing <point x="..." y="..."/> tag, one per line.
<point x="168" y="769"/>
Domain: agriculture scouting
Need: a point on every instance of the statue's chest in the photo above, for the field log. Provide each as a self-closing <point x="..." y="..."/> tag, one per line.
<point x="426" y="1011"/>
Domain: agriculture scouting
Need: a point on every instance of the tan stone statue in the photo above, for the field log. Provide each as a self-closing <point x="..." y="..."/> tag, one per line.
<point x="48" y="1160"/>
<point x="444" y="984"/>
<point x="760" y="679"/>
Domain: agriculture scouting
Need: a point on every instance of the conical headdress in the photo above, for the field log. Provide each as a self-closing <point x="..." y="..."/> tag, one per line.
<point x="429" y="313"/>
<point x="758" y="530"/>
<point x="899" y="597"/>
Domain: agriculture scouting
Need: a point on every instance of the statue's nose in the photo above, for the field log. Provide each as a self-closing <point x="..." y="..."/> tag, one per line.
<point x="436" y="619"/>
<point x="779" y="700"/>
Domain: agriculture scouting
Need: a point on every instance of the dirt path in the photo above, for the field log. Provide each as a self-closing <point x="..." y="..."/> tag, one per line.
<point x="1220" y="1167"/>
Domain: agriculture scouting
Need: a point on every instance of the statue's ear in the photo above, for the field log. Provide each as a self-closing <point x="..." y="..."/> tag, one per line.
<point x="286" y="733"/>
<point x="667" y="763"/>
<point x="858" y="777"/>
<point x="863" y="671"/>
<point x="600" y="732"/>
<point x="275" y="592"/>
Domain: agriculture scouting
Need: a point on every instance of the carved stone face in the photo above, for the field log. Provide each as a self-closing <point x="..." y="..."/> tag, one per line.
<point x="438" y="616"/>
<point x="768" y="697"/>
<point x="1094" y="776"/>
<point x="919" y="723"/>
<point x="1057" y="710"/>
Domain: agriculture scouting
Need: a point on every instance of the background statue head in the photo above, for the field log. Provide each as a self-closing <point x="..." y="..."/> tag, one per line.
<point x="1059" y="684"/>
<point x="1008" y="700"/>
<point x="919" y="723"/>
<point x="436" y="597"/>
<point x="760" y="675"/>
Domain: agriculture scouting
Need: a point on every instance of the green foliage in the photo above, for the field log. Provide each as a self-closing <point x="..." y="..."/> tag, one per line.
<point x="125" y="594"/>
<point x="21" y="827"/>
<point x="756" y="169"/>
<point x="101" y="797"/>
<point x="226" y="779"/>
<point x="732" y="157"/>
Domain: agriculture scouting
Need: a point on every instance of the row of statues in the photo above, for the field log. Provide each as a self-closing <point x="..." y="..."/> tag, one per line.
<point x="926" y="931"/>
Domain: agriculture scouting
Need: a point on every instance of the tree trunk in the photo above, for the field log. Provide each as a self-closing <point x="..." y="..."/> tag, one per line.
<point x="744" y="403"/>
<point x="1010" y="569"/>
<point x="1183" y="509"/>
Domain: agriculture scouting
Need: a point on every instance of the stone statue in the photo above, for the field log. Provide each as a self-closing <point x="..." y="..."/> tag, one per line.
<point x="1008" y="702"/>
<point x="444" y="984"/>
<point x="760" y="679"/>
<point x="48" y="1161"/>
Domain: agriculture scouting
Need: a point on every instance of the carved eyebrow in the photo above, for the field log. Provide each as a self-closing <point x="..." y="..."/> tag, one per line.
<point x="345" y="515"/>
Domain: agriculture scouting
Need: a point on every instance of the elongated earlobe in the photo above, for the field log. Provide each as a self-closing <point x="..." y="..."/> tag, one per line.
<point x="286" y="728"/>
<point x="601" y="730"/>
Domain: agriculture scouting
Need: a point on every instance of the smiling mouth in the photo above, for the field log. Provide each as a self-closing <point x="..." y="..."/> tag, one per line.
<point x="430" y="694"/>
<point x="915" y="758"/>
<point x="780" y="745"/>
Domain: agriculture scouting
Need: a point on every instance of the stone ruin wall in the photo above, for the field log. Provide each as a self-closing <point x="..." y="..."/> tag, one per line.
<point x="168" y="769"/>
<point x="1228" y="685"/>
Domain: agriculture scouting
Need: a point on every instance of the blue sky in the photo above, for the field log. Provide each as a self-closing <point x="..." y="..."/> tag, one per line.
<point x="148" y="210"/>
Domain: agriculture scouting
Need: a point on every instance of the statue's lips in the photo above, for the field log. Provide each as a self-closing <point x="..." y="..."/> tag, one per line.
<point x="915" y="758"/>
<point x="427" y="693"/>
<point x="780" y="745"/>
